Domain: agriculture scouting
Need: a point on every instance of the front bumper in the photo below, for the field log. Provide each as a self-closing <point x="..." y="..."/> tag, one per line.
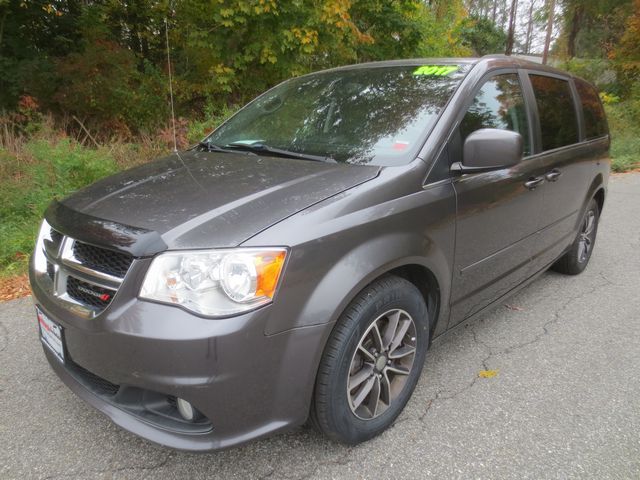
<point x="247" y="384"/>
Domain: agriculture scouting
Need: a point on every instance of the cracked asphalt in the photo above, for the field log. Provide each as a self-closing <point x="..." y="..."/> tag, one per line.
<point x="565" y="402"/>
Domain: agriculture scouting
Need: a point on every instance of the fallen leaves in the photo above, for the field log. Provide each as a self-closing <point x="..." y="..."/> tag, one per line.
<point x="514" y="307"/>
<point x="14" y="287"/>
<point x="487" y="373"/>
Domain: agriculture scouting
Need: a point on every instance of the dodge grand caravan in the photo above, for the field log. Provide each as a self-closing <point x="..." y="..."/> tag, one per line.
<point x="298" y="262"/>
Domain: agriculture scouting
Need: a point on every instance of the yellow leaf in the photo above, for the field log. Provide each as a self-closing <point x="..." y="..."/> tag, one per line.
<point x="487" y="373"/>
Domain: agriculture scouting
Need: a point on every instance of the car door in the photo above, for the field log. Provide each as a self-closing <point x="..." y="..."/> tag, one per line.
<point x="567" y="160"/>
<point x="498" y="212"/>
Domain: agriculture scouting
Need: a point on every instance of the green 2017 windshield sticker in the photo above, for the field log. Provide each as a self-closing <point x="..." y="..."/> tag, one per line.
<point x="436" y="70"/>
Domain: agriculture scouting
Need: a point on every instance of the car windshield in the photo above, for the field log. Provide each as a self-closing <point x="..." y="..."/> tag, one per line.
<point x="376" y="115"/>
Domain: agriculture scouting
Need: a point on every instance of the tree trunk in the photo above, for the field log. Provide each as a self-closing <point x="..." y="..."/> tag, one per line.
<point x="493" y="14"/>
<point x="551" y="6"/>
<point x="512" y="27"/>
<point x="576" y="25"/>
<point x="527" y="43"/>
<point x="505" y="16"/>
<point x="4" y="18"/>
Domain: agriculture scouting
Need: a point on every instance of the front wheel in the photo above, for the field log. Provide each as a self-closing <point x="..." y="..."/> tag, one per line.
<point x="372" y="361"/>
<point x="576" y="259"/>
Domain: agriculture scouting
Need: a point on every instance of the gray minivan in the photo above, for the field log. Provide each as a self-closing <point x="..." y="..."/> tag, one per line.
<point x="298" y="262"/>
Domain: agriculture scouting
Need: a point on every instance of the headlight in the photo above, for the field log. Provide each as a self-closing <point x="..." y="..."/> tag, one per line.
<point x="215" y="282"/>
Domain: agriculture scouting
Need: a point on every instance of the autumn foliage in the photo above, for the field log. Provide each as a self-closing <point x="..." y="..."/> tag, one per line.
<point x="105" y="62"/>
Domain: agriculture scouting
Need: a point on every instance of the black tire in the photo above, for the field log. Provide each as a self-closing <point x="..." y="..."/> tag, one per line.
<point x="388" y="301"/>
<point x="576" y="259"/>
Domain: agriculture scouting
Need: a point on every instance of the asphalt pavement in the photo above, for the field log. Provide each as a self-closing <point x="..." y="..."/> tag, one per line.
<point x="564" y="401"/>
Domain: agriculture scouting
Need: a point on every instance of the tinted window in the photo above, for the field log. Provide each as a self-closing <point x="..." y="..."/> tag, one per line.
<point x="498" y="104"/>
<point x="558" y="122"/>
<point x="595" y="122"/>
<point x="359" y="115"/>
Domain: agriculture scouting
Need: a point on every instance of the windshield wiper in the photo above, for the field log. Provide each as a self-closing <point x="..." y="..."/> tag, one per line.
<point x="264" y="148"/>
<point x="212" y="147"/>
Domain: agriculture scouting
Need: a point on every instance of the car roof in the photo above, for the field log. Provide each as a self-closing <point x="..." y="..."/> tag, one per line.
<point x="487" y="62"/>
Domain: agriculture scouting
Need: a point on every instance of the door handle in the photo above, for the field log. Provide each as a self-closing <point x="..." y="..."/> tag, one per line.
<point x="533" y="182"/>
<point x="553" y="175"/>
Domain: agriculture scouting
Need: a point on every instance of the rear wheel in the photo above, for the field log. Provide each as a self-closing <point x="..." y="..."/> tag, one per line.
<point x="372" y="361"/>
<point x="576" y="259"/>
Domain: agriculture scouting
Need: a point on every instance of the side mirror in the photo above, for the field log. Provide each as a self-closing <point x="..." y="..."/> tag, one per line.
<point x="490" y="149"/>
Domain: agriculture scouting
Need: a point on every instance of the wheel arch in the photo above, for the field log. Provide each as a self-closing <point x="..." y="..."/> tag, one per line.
<point x="416" y="271"/>
<point x="596" y="191"/>
<point x="599" y="197"/>
<point x="427" y="283"/>
<point x="425" y="273"/>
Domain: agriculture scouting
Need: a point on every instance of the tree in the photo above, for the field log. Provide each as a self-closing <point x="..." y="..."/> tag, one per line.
<point x="442" y="23"/>
<point x="576" y="14"/>
<point x="31" y="34"/>
<point x="626" y="56"/>
<point x="551" y="6"/>
<point x="513" y="11"/>
<point x="227" y="51"/>
<point x="483" y="36"/>
<point x="530" y="23"/>
<point x="590" y="28"/>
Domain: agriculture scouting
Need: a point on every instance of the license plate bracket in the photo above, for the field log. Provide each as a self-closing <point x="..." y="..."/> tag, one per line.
<point x="51" y="335"/>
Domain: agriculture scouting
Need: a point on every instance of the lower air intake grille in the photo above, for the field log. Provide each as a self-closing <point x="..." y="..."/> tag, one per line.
<point x="93" y="382"/>
<point x="89" y="294"/>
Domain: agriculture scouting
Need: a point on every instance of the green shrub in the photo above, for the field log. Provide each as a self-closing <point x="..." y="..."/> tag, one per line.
<point x="198" y="129"/>
<point x="625" y="135"/>
<point x="105" y="86"/>
<point x="598" y="71"/>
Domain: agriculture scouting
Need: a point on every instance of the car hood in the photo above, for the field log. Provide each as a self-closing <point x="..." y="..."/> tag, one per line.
<point x="204" y="199"/>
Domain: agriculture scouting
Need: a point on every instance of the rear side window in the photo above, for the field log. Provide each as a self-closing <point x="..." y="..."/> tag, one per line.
<point x="595" y="122"/>
<point x="498" y="104"/>
<point x="558" y="121"/>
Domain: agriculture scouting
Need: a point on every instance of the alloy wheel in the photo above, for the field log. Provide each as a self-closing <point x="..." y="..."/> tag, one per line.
<point x="585" y="240"/>
<point x="381" y="364"/>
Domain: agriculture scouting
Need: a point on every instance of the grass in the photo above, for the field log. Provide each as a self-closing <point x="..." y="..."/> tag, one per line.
<point x="42" y="171"/>
<point x="39" y="163"/>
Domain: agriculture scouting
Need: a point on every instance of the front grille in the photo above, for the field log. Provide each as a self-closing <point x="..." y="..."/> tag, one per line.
<point x="52" y="244"/>
<point x="93" y="382"/>
<point x="56" y="237"/>
<point x="83" y="277"/>
<point x="89" y="294"/>
<point x="102" y="260"/>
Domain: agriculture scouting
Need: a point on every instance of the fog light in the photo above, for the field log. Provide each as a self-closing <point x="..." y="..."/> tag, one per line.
<point x="187" y="411"/>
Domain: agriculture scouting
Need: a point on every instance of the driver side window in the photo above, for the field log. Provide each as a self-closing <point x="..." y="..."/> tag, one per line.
<point x="498" y="104"/>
